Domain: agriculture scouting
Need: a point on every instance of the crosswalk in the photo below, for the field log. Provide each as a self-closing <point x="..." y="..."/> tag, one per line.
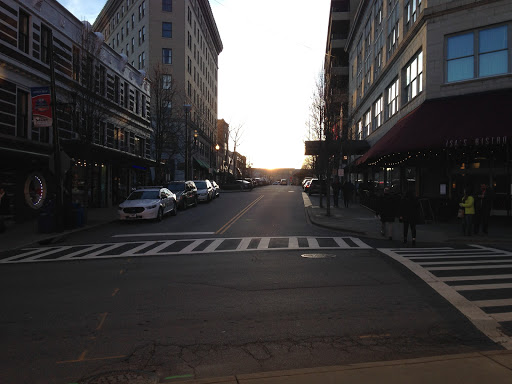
<point x="476" y="280"/>
<point x="180" y="247"/>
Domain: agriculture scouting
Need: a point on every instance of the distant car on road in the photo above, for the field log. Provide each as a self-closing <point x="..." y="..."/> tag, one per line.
<point x="186" y="193"/>
<point x="284" y="182"/>
<point x="237" y="185"/>
<point x="204" y="190"/>
<point x="148" y="203"/>
<point x="317" y="187"/>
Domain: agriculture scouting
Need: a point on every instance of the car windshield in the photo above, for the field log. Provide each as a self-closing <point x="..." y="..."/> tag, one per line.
<point x="144" y="195"/>
<point x="201" y="184"/>
<point x="176" y="187"/>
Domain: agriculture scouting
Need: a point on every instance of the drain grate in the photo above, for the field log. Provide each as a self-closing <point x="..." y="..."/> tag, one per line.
<point x="318" y="256"/>
<point x="122" y="377"/>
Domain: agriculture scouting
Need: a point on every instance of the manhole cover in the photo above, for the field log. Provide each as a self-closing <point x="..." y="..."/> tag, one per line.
<point x="122" y="377"/>
<point x="318" y="256"/>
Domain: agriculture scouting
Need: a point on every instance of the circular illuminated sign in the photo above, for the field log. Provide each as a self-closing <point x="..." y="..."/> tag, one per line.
<point x="35" y="190"/>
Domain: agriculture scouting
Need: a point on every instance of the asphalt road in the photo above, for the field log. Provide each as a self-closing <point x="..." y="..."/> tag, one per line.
<point x="216" y="313"/>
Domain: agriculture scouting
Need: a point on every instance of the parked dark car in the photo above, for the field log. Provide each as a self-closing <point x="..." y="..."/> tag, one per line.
<point x="237" y="185"/>
<point x="314" y="187"/>
<point x="186" y="193"/>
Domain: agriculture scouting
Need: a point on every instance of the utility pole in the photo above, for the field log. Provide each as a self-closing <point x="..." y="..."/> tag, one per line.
<point x="56" y="142"/>
<point x="186" y="108"/>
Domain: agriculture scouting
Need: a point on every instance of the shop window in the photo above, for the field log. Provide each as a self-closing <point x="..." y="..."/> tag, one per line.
<point x="166" y="81"/>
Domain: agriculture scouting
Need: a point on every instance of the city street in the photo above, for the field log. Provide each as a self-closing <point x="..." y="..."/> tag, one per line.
<point x="242" y="284"/>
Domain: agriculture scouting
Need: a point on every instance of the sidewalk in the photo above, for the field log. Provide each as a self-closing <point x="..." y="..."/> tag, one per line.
<point x="469" y="368"/>
<point x="26" y="234"/>
<point x="362" y="221"/>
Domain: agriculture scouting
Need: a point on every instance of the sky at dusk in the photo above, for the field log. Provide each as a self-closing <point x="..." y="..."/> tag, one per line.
<point x="273" y="54"/>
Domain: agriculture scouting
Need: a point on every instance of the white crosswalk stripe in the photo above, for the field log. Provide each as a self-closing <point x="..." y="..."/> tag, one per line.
<point x="476" y="280"/>
<point x="181" y="247"/>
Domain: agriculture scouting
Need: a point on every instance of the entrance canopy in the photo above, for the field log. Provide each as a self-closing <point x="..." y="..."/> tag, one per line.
<point x="471" y="120"/>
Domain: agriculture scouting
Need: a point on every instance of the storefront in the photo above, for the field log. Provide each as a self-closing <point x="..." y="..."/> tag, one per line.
<point x="444" y="146"/>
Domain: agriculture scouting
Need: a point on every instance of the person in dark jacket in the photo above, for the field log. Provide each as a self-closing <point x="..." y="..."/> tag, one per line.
<point x="482" y="209"/>
<point x="335" y="191"/>
<point x="386" y="211"/>
<point x="410" y="214"/>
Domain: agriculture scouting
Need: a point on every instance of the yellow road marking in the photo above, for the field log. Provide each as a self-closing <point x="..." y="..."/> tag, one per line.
<point x="82" y="356"/>
<point x="374" y="336"/>
<point x="115" y="292"/>
<point x="93" y="359"/>
<point x="103" y="317"/>
<point x="237" y="216"/>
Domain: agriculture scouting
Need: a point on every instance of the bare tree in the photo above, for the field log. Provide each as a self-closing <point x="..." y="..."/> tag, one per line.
<point x="235" y="134"/>
<point x="323" y="126"/>
<point x="167" y="115"/>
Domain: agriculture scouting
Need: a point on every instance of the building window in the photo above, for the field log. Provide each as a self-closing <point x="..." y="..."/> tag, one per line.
<point x="140" y="61"/>
<point x="360" y="130"/>
<point x="46" y="36"/>
<point x="377" y="112"/>
<point x="491" y="59"/>
<point x="412" y="9"/>
<point x="23" y="32"/>
<point x="167" y="5"/>
<point x="166" y="56"/>
<point x="367" y="123"/>
<point x="189" y="16"/>
<point x="392" y="99"/>
<point x="140" y="36"/>
<point x="492" y="51"/>
<point x="133" y="44"/>
<point x="127" y="49"/>
<point x="393" y="27"/>
<point x="76" y="64"/>
<point x="137" y="102"/>
<point x="166" y="81"/>
<point x="414" y="78"/>
<point x="127" y="27"/>
<point x="133" y="20"/>
<point x="21" y="113"/>
<point x="143" y="59"/>
<point x="116" y="89"/>
<point x="166" y="29"/>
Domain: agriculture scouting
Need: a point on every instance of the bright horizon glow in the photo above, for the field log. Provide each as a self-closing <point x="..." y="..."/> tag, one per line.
<point x="273" y="53"/>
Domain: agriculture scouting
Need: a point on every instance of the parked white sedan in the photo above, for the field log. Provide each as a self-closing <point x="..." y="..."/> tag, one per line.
<point x="148" y="203"/>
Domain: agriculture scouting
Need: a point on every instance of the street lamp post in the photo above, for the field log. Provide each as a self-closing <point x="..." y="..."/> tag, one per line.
<point x="186" y="108"/>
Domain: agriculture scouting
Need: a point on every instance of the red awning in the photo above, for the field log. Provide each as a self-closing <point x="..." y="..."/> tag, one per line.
<point x="484" y="118"/>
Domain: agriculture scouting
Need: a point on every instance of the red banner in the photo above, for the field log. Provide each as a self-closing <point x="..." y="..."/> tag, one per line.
<point x="41" y="107"/>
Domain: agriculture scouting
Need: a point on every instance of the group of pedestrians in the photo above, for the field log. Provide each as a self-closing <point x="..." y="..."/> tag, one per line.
<point x="475" y="211"/>
<point x="347" y="189"/>
<point x="407" y="209"/>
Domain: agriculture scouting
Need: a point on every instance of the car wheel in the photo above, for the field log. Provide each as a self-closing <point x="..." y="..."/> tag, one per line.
<point x="160" y="215"/>
<point x="174" y="211"/>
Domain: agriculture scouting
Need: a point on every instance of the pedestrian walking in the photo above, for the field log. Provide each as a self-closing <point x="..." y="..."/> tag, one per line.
<point x="468" y="203"/>
<point x="386" y="212"/>
<point x="482" y="209"/>
<point x="348" y="190"/>
<point x="410" y="214"/>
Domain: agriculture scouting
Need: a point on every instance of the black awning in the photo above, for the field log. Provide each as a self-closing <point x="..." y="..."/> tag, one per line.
<point x="201" y="163"/>
<point x="462" y="121"/>
<point x="98" y="153"/>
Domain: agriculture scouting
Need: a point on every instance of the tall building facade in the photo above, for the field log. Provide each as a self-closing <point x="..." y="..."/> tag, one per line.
<point x="180" y="37"/>
<point x="430" y="82"/>
<point x="102" y="153"/>
<point x="336" y="64"/>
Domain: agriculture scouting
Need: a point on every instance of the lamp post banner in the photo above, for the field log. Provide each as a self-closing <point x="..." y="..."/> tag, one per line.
<point x="41" y="110"/>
